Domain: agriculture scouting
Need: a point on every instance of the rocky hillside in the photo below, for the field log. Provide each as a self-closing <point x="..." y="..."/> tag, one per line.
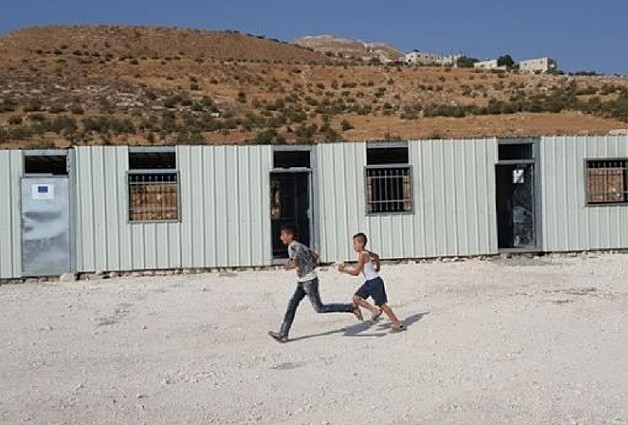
<point x="114" y="85"/>
<point x="138" y="42"/>
<point x="353" y="49"/>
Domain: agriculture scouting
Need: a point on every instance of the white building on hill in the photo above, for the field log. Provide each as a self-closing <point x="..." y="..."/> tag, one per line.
<point x="489" y="64"/>
<point x="541" y="65"/>
<point x="416" y="57"/>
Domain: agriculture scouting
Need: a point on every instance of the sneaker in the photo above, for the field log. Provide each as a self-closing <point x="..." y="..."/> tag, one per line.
<point x="278" y="337"/>
<point x="397" y="329"/>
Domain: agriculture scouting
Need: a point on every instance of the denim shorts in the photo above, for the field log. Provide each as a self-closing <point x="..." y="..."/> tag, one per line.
<point x="373" y="288"/>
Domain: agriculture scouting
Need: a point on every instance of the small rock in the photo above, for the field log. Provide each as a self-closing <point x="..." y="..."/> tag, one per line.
<point x="114" y="275"/>
<point x="67" y="277"/>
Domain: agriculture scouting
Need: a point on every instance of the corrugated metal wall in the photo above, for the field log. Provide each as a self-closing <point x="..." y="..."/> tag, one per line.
<point x="224" y="193"/>
<point x="11" y="164"/>
<point x="453" y="193"/>
<point x="568" y="223"/>
<point x="341" y="193"/>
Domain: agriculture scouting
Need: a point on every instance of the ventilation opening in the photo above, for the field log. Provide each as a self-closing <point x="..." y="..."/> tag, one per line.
<point x="512" y="151"/>
<point x="146" y="160"/>
<point x="386" y="155"/>
<point x="291" y="159"/>
<point x="55" y="165"/>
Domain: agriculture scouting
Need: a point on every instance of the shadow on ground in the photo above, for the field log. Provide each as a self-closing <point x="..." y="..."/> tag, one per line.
<point x="377" y="330"/>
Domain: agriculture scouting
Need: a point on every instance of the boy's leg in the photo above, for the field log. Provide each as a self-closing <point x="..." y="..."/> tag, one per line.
<point x="361" y="295"/>
<point x="288" y="318"/>
<point x="391" y="315"/>
<point x="363" y="303"/>
<point x="311" y="289"/>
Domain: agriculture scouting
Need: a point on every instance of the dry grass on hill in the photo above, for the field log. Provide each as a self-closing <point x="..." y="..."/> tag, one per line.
<point x="113" y="85"/>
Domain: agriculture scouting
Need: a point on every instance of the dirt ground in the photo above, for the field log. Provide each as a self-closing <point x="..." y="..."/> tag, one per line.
<point x="519" y="341"/>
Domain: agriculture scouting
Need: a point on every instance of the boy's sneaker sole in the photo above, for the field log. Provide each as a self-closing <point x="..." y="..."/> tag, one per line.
<point x="278" y="337"/>
<point x="397" y="329"/>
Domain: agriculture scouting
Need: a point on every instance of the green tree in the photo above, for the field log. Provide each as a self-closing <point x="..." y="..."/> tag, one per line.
<point x="506" y="60"/>
<point x="466" y="62"/>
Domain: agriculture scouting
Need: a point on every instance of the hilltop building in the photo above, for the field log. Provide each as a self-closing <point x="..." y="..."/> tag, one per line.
<point x="541" y="65"/>
<point x="416" y="57"/>
<point x="489" y="64"/>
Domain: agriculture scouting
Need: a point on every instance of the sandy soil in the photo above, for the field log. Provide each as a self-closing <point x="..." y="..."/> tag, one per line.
<point x="518" y="341"/>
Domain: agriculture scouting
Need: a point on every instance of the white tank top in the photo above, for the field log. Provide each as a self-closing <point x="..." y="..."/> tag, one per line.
<point x="369" y="269"/>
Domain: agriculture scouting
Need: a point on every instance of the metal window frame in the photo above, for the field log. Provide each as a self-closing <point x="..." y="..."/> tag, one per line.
<point x="586" y="183"/>
<point x="157" y="171"/>
<point x="410" y="169"/>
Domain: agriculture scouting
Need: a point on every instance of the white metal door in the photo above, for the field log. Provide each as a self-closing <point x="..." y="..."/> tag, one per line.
<point x="45" y="226"/>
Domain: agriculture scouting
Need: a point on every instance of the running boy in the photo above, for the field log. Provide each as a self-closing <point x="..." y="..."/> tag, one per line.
<point x="304" y="260"/>
<point x="369" y="265"/>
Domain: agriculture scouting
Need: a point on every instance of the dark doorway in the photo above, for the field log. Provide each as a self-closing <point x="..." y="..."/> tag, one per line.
<point x="516" y="210"/>
<point x="289" y="204"/>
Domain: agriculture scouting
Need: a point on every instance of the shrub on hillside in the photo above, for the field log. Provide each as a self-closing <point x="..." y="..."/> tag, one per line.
<point x="269" y="137"/>
<point x="15" y="120"/>
<point x="346" y="125"/>
<point x="77" y="109"/>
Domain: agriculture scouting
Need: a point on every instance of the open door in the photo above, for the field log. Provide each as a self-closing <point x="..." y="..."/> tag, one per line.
<point x="290" y="196"/>
<point x="290" y="204"/>
<point x="517" y="198"/>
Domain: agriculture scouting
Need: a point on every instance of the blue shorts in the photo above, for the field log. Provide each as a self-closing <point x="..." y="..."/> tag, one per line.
<point x="373" y="288"/>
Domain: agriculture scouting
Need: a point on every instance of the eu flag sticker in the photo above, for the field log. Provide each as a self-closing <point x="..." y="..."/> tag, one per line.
<point x="43" y="191"/>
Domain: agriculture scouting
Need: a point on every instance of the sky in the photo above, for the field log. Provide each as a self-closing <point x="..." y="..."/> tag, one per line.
<point x="583" y="35"/>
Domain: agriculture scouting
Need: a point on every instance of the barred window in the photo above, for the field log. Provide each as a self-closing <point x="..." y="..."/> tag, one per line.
<point x="606" y="182"/>
<point x="388" y="180"/>
<point x="153" y="186"/>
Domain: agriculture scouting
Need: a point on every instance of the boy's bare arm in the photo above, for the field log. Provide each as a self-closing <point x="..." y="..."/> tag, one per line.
<point x="315" y="257"/>
<point x="354" y="271"/>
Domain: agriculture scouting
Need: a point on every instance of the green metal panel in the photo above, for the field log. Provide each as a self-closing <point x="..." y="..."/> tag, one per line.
<point x="11" y="165"/>
<point x="341" y="198"/>
<point x="224" y="197"/>
<point x="453" y="195"/>
<point x="568" y="223"/>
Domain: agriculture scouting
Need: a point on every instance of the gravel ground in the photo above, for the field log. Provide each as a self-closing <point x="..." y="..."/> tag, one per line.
<point x="520" y="341"/>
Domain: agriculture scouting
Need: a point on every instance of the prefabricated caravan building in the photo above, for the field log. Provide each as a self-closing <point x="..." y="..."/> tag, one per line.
<point x="88" y="209"/>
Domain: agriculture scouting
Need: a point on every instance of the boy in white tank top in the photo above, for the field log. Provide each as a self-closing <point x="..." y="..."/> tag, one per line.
<point x="369" y="265"/>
